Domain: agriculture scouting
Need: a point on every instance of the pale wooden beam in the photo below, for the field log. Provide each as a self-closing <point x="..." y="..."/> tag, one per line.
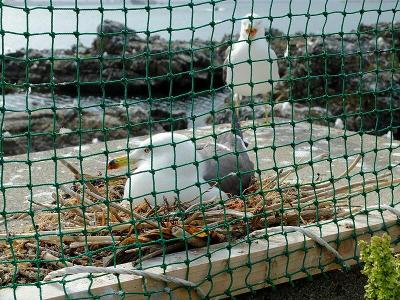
<point x="273" y="259"/>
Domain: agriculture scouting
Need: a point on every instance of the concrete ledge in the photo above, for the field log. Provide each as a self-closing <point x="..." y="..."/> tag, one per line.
<point x="292" y="145"/>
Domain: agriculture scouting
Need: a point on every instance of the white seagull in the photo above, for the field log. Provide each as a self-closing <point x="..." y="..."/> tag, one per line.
<point x="165" y="169"/>
<point x="251" y="63"/>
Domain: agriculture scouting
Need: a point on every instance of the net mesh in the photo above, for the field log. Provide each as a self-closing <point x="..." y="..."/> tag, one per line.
<point x="321" y="140"/>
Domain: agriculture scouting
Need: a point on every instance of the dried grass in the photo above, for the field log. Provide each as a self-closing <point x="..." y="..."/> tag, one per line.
<point x="118" y="234"/>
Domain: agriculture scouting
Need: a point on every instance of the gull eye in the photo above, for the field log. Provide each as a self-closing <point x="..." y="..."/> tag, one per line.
<point x="146" y="150"/>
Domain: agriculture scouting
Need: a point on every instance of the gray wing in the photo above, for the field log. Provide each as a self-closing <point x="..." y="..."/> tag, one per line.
<point x="232" y="173"/>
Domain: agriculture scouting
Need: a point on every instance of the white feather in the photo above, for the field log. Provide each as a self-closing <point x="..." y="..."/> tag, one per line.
<point x="339" y="123"/>
<point x="65" y="130"/>
<point x="286" y="54"/>
<point x="165" y="181"/>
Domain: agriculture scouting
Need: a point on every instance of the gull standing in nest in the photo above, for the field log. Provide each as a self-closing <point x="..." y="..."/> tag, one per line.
<point x="251" y="66"/>
<point x="170" y="166"/>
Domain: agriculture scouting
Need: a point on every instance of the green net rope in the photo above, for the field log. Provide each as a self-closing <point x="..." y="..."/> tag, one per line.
<point x="339" y="80"/>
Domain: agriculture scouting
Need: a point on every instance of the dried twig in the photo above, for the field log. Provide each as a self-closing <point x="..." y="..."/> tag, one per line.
<point x="273" y="200"/>
<point x="191" y="239"/>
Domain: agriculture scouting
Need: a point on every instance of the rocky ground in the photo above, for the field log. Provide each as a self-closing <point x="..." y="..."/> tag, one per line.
<point x="120" y="62"/>
<point x="49" y="129"/>
<point x="352" y="78"/>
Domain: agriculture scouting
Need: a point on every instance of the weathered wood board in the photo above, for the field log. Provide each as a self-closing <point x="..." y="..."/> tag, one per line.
<point x="278" y="259"/>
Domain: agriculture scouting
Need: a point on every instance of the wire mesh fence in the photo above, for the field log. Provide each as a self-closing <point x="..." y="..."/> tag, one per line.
<point x="303" y="107"/>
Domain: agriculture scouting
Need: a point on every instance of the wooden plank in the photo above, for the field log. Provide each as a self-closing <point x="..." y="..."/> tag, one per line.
<point x="277" y="259"/>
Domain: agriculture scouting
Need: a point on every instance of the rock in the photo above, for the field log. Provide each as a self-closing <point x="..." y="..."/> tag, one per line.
<point x="348" y="76"/>
<point x="113" y="36"/>
<point x="224" y="114"/>
<point x="72" y="128"/>
<point x="120" y="62"/>
<point x="317" y="115"/>
<point x="170" y="121"/>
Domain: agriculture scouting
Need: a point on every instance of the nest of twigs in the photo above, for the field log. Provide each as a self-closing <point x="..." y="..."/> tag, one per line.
<point x="116" y="234"/>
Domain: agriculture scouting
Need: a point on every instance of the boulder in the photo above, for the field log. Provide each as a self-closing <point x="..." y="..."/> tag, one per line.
<point x="113" y="36"/>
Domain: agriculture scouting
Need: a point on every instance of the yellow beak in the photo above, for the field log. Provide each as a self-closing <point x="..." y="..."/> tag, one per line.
<point x="120" y="162"/>
<point x="251" y="32"/>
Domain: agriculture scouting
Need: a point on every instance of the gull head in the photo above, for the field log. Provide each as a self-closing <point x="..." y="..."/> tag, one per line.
<point x="163" y="150"/>
<point x="252" y="27"/>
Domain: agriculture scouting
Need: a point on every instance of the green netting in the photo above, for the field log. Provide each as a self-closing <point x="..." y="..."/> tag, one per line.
<point x="321" y="140"/>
